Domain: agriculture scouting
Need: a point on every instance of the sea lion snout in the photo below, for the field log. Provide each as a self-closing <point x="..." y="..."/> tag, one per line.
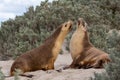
<point x="69" y="24"/>
<point x="81" y="22"/>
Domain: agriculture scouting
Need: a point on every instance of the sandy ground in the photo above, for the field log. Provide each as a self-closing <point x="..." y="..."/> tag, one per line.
<point x="62" y="60"/>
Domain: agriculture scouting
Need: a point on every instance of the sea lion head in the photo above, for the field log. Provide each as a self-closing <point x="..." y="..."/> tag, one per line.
<point x="67" y="26"/>
<point x="82" y="24"/>
<point x="63" y="29"/>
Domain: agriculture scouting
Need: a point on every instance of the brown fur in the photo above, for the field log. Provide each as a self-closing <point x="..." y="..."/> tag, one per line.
<point x="84" y="54"/>
<point x="44" y="56"/>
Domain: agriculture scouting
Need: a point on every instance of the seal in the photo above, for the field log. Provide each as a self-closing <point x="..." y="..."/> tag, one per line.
<point x="44" y="56"/>
<point x="83" y="53"/>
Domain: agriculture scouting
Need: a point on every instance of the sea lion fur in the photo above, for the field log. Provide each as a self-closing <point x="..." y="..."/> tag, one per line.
<point x="83" y="53"/>
<point x="44" y="56"/>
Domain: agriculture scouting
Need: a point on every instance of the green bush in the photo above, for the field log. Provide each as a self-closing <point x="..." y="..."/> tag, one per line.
<point x="113" y="48"/>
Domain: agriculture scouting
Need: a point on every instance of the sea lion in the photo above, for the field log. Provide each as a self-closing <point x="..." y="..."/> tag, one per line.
<point x="83" y="53"/>
<point x="44" y="56"/>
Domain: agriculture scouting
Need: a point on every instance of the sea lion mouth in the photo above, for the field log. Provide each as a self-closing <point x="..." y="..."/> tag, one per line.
<point x="82" y="24"/>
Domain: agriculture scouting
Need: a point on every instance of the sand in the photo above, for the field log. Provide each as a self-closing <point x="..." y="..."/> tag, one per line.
<point x="62" y="60"/>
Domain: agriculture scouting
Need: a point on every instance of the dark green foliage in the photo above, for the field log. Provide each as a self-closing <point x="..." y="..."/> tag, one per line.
<point x="98" y="35"/>
<point x="113" y="69"/>
<point x="113" y="48"/>
<point x="100" y="77"/>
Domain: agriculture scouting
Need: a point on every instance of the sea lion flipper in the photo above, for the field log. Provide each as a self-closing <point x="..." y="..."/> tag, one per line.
<point x="75" y="63"/>
<point x="29" y="76"/>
